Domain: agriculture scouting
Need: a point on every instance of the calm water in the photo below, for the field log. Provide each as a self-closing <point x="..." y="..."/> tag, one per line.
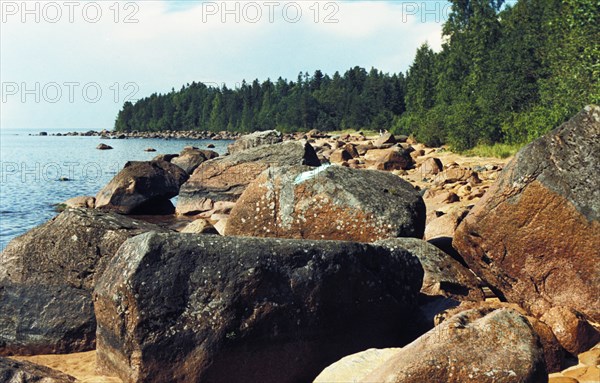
<point x="30" y="168"/>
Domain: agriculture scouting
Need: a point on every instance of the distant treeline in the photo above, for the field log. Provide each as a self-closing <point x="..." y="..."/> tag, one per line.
<point x="504" y="74"/>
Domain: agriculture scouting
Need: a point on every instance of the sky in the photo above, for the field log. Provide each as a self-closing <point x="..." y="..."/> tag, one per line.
<point x="70" y="65"/>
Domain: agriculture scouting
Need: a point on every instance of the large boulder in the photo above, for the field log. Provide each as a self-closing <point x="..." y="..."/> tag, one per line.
<point x="189" y="308"/>
<point x="329" y="202"/>
<point x="71" y="249"/>
<point x="12" y="371"/>
<point x="471" y="347"/>
<point x="142" y="187"/>
<point x="225" y="178"/>
<point x="534" y="236"/>
<point x="267" y="137"/>
<point x="554" y="353"/>
<point x="42" y="319"/>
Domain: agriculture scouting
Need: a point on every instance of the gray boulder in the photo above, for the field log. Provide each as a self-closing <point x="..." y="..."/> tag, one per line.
<point x="71" y="249"/>
<point x="189" y="308"/>
<point x="267" y="137"/>
<point x="46" y="279"/>
<point x="329" y="202"/>
<point x="225" y="178"/>
<point x="43" y="319"/>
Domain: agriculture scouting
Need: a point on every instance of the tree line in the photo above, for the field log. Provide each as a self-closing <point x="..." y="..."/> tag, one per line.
<point x="504" y="74"/>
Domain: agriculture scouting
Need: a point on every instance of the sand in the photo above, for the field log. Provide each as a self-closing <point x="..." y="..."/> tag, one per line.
<point x="81" y="366"/>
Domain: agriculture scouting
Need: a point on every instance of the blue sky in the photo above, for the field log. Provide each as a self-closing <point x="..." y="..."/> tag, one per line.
<point x="72" y="67"/>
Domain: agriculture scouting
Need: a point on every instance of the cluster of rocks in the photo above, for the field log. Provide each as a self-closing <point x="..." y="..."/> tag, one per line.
<point x="165" y="134"/>
<point x="303" y="259"/>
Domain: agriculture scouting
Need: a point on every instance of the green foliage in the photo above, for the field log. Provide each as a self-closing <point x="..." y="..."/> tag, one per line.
<point x="497" y="150"/>
<point x="504" y="75"/>
<point x="358" y="99"/>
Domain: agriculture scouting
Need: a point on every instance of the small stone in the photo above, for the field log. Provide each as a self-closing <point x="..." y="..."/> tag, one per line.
<point x="198" y="226"/>
<point x="104" y="147"/>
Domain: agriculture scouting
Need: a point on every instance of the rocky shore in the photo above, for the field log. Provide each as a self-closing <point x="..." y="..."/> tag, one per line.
<point x="323" y="258"/>
<point x="167" y="134"/>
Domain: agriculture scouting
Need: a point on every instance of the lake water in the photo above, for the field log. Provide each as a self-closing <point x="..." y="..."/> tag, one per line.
<point x="31" y="166"/>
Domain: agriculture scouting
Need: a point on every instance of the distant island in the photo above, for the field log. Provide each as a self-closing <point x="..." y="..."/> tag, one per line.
<point x="505" y="74"/>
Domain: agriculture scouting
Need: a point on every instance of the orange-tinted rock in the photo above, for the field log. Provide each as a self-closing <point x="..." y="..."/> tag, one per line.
<point x="535" y="235"/>
<point x="330" y="202"/>
<point x="573" y="332"/>
<point x="471" y="347"/>
<point x="388" y="159"/>
<point x="339" y="156"/>
<point x="554" y="353"/>
<point x="430" y="166"/>
<point x="446" y="224"/>
<point x="386" y="138"/>
<point x="452" y="175"/>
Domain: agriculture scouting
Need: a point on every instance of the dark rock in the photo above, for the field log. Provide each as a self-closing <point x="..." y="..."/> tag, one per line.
<point x="165" y="157"/>
<point x="43" y="133"/>
<point x="12" y="371"/>
<point x="255" y="139"/>
<point x="443" y="275"/>
<point x="140" y="186"/>
<point x="70" y="249"/>
<point x="534" y="236"/>
<point x="149" y="150"/>
<point x="330" y="202"/>
<point x="43" y="319"/>
<point x="104" y="147"/>
<point x="225" y="178"/>
<point x="187" y="308"/>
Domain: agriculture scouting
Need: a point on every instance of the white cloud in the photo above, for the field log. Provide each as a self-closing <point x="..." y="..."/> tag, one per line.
<point x="167" y="48"/>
